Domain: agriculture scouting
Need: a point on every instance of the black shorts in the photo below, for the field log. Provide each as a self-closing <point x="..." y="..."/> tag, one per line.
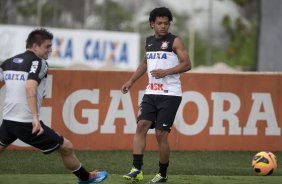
<point x="160" y="109"/>
<point x="46" y="142"/>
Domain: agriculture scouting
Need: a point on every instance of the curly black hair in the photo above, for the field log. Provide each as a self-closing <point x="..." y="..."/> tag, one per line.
<point x="160" y="12"/>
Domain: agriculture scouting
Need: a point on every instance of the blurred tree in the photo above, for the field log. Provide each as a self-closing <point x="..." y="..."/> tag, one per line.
<point x="242" y="48"/>
<point x="250" y="8"/>
<point x="114" y="16"/>
<point x="200" y="51"/>
<point x="25" y="12"/>
<point x="242" y="2"/>
<point x="8" y="11"/>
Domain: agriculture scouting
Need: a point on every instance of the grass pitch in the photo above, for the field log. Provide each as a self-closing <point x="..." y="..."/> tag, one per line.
<point x="198" y="167"/>
<point x="116" y="179"/>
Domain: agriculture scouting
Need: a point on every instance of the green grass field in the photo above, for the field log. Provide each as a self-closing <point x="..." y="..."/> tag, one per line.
<point x="27" y="167"/>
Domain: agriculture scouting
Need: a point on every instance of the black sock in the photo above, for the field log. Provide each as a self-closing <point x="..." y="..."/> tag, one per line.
<point x="138" y="161"/>
<point x="163" y="169"/>
<point x="81" y="173"/>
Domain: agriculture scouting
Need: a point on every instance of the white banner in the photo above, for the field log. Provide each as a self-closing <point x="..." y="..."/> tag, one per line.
<point x="95" y="49"/>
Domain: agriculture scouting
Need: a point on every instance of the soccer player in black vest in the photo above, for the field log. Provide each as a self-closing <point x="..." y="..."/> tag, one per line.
<point x="25" y="78"/>
<point x="165" y="58"/>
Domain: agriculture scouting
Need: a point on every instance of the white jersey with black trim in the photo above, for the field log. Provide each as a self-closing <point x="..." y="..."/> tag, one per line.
<point x="15" y="72"/>
<point x="160" y="55"/>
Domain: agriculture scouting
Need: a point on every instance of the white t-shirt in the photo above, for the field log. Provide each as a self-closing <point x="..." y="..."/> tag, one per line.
<point x="15" y="72"/>
<point x="160" y="55"/>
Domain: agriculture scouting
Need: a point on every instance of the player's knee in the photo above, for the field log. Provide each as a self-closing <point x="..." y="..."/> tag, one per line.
<point x="67" y="147"/>
<point x="142" y="127"/>
<point x="161" y="135"/>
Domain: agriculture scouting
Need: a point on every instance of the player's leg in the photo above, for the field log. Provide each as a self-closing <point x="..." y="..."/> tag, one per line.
<point x="167" y="106"/>
<point x="50" y="141"/>
<point x="146" y="117"/>
<point x="139" y="144"/>
<point x="71" y="162"/>
<point x="139" y="140"/>
<point x="68" y="156"/>
<point x="144" y="122"/>
<point x="6" y="135"/>
<point x="164" y="152"/>
<point x="164" y="149"/>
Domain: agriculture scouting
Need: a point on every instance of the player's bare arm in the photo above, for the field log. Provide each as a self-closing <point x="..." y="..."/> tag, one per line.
<point x="142" y="68"/>
<point x="31" y="95"/>
<point x="183" y="66"/>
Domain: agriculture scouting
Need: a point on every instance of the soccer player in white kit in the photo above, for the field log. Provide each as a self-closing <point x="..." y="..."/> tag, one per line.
<point x="164" y="60"/>
<point x="25" y="77"/>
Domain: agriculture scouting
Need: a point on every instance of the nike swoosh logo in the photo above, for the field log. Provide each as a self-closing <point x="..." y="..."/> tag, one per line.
<point x="165" y="124"/>
<point x="150" y="45"/>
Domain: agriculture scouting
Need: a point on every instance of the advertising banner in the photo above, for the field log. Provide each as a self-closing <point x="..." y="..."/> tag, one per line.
<point x="218" y="111"/>
<point x="99" y="50"/>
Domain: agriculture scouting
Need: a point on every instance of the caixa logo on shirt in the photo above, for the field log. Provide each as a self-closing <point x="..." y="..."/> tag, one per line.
<point x="156" y="55"/>
<point x="15" y="76"/>
<point x="34" y="67"/>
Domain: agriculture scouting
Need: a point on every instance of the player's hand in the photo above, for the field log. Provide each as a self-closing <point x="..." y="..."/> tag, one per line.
<point x="158" y="73"/>
<point x="36" y="127"/>
<point x="125" y="88"/>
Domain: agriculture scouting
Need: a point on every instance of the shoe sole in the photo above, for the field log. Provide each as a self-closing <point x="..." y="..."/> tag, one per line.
<point x="97" y="180"/>
<point x="131" y="180"/>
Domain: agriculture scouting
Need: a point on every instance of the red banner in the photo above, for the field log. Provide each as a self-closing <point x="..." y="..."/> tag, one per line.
<point x="218" y="111"/>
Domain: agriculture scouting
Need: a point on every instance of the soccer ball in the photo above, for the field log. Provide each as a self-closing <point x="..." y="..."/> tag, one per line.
<point x="264" y="163"/>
